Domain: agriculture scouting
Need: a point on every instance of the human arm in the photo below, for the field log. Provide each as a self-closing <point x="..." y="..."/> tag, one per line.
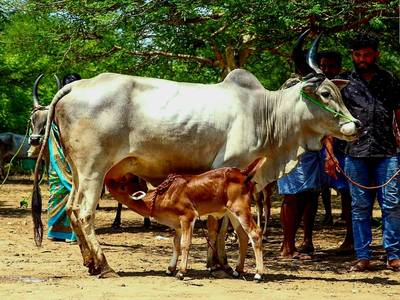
<point x="330" y="160"/>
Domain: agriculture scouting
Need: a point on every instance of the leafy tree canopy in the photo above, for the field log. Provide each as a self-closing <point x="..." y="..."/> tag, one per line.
<point x="195" y="41"/>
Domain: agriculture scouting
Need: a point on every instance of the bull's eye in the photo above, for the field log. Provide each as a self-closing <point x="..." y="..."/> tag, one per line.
<point x="43" y="131"/>
<point x="326" y="94"/>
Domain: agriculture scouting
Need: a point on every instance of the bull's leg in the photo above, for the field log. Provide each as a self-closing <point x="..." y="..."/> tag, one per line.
<point x="146" y="222"/>
<point x="187" y="233"/>
<point x="175" y="253"/>
<point x="217" y="233"/>
<point x="88" y="197"/>
<point x="254" y="233"/>
<point x="259" y="206"/>
<point x="73" y="201"/>
<point x="117" y="220"/>
<point x="267" y="193"/>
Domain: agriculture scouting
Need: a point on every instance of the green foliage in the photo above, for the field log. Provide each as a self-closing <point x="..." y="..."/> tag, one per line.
<point x="195" y="41"/>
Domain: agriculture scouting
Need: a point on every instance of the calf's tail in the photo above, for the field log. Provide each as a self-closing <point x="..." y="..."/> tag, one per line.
<point x="251" y="170"/>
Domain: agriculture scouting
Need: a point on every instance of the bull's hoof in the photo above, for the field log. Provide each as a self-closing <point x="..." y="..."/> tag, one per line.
<point x="179" y="276"/>
<point x="258" y="278"/>
<point x="93" y="270"/>
<point x="237" y="273"/>
<point x="220" y="273"/>
<point x="169" y="273"/>
<point x="116" y="225"/>
<point x="109" y="274"/>
<point x="147" y="223"/>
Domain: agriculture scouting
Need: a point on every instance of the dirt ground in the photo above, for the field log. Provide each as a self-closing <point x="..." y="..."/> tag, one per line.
<point x="140" y="256"/>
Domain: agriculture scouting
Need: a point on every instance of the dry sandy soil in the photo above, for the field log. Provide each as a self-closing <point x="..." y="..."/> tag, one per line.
<point x="140" y="257"/>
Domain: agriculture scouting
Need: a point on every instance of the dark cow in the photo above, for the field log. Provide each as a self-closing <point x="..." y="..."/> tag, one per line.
<point x="10" y="143"/>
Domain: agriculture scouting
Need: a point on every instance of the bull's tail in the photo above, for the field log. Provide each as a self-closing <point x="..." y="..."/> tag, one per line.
<point x="251" y="170"/>
<point x="36" y="205"/>
<point x="36" y="201"/>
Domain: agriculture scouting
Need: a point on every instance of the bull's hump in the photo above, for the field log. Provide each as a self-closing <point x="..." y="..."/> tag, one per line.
<point x="244" y="79"/>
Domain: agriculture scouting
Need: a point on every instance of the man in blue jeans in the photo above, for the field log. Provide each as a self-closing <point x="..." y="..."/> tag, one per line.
<point x="373" y="97"/>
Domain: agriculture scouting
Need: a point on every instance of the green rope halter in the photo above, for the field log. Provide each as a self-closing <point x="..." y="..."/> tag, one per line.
<point x="335" y="113"/>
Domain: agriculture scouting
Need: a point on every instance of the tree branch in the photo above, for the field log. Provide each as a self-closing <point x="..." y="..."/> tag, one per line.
<point x="209" y="61"/>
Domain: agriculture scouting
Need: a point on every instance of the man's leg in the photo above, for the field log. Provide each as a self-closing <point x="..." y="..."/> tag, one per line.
<point x="309" y="200"/>
<point x="389" y="200"/>
<point x="348" y="245"/>
<point x="326" y="201"/>
<point x="359" y="170"/>
<point x="290" y="220"/>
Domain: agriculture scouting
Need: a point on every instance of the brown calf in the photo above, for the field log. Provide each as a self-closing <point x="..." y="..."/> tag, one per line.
<point x="220" y="192"/>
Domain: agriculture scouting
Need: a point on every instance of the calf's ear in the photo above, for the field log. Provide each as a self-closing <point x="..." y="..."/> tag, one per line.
<point x="340" y="83"/>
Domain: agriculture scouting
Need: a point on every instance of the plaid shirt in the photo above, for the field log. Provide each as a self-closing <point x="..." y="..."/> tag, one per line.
<point x="373" y="104"/>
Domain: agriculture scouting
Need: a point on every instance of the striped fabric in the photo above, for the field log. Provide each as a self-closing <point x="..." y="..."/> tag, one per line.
<point x="60" y="186"/>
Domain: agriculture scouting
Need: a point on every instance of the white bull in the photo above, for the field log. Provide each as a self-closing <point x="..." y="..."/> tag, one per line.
<point x="114" y="124"/>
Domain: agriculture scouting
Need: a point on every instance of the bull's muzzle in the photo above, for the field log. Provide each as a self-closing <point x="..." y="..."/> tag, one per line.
<point x="34" y="140"/>
<point x="352" y="129"/>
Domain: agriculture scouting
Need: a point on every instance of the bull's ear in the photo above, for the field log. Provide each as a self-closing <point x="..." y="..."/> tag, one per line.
<point x="340" y="83"/>
<point x="312" y="84"/>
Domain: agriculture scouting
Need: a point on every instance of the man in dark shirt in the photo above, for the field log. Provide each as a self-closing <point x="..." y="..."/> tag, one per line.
<point x="373" y="97"/>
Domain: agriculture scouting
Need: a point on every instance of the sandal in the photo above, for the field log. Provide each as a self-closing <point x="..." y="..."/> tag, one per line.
<point x="361" y="266"/>
<point x="345" y="249"/>
<point x="327" y="220"/>
<point x="305" y="249"/>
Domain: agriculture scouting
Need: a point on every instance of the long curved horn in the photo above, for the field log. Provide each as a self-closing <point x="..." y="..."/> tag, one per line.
<point x="311" y="56"/>
<point x="58" y="83"/>
<point x="300" y="63"/>
<point x="34" y="92"/>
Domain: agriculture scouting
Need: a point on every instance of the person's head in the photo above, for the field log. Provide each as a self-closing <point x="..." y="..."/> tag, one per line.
<point x="70" y="78"/>
<point x="330" y="62"/>
<point x="364" y="50"/>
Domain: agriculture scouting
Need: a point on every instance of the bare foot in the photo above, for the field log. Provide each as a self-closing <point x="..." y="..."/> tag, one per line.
<point x="394" y="265"/>
<point x="299" y="256"/>
<point x="361" y="266"/>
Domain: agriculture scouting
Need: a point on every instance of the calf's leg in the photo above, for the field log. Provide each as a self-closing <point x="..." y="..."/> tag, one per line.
<point x="175" y="253"/>
<point x="253" y="232"/>
<point x="243" y="244"/>
<point x="187" y="232"/>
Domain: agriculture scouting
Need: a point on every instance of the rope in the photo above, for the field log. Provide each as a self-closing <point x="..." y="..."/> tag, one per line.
<point x="212" y="248"/>
<point x="331" y="157"/>
<point x="159" y="189"/>
<point x="325" y="107"/>
<point x="208" y="240"/>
